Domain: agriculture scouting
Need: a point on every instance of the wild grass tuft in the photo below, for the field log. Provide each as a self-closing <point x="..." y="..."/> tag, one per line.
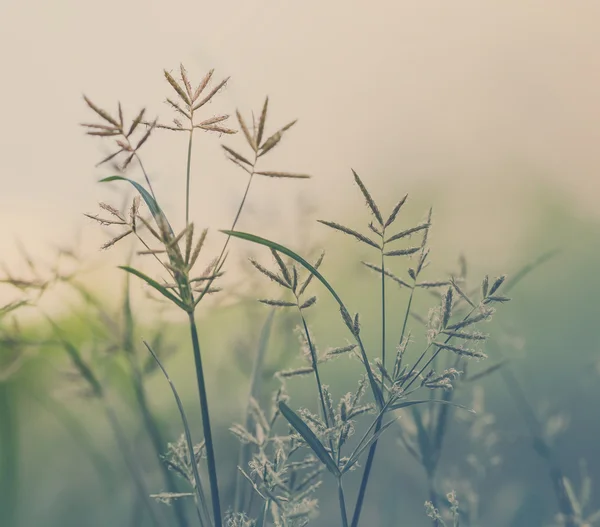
<point x="287" y="453"/>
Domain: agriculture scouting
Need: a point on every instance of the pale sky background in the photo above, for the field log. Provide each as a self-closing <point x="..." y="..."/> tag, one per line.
<point x="467" y="93"/>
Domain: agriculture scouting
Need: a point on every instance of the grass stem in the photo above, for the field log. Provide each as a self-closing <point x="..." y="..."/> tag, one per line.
<point x="210" y="451"/>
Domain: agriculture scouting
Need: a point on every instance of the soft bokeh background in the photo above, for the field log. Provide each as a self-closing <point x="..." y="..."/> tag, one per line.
<point x="487" y="111"/>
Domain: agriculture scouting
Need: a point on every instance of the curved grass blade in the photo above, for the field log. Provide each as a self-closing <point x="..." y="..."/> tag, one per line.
<point x="405" y="404"/>
<point x="155" y="209"/>
<point x="188" y="439"/>
<point x="288" y="252"/>
<point x="528" y="268"/>
<point x="155" y="285"/>
<point x="311" y="439"/>
<point x="276" y="246"/>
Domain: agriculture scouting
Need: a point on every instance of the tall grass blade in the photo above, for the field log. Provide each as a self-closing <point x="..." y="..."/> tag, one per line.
<point x="311" y="439"/>
<point x="188" y="438"/>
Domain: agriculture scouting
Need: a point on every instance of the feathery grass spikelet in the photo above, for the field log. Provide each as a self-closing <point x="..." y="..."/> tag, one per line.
<point x="432" y="285"/>
<point x="272" y="141"/>
<point x="197" y="248"/>
<point x="474" y="319"/>
<point x="447" y="308"/>
<point x="175" y="85"/>
<point x="282" y="267"/>
<point x="485" y="286"/>
<point x="311" y="301"/>
<point x="408" y="232"/>
<point x="211" y="94"/>
<point x="276" y="303"/>
<point x="189" y="238"/>
<point x="247" y="135"/>
<point x="403" y="252"/>
<point x="464" y="352"/>
<point x="460" y="292"/>
<point x="116" y="239"/>
<point x="102" y="113"/>
<point x="496" y="285"/>
<point x="185" y="80"/>
<point x="386" y="273"/>
<point x="394" y="213"/>
<point x="261" y="122"/>
<point x="237" y="156"/>
<point x="375" y="229"/>
<point x="370" y="201"/>
<point x="347" y="230"/>
<point x="202" y="85"/>
<point x="310" y="276"/>
<point x="290" y="175"/>
<point x="269" y="274"/>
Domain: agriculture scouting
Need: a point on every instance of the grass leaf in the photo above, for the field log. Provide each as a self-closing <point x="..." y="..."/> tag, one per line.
<point x="311" y="439"/>
<point x="155" y="285"/>
<point x="405" y="404"/>
<point x="187" y="432"/>
<point x="288" y="252"/>
<point x="155" y="209"/>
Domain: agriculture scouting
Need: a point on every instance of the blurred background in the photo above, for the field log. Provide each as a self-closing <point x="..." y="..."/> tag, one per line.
<point x="485" y="111"/>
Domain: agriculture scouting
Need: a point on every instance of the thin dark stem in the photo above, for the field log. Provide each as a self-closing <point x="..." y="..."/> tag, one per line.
<point x="365" y="479"/>
<point x="342" y="501"/>
<point x="314" y="359"/>
<point x="407" y="313"/>
<point x="139" y="159"/>
<point x="219" y="262"/>
<point x="148" y="418"/>
<point x="433" y="357"/>
<point x="158" y="444"/>
<point x="383" y="333"/>
<point x="210" y="452"/>
<point x="373" y="449"/>
<point x="187" y="178"/>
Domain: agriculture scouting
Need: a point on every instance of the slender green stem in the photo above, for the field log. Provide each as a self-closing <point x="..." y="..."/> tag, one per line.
<point x="139" y="159"/>
<point x="407" y="313"/>
<point x="158" y="444"/>
<point x="210" y="452"/>
<point x="148" y="418"/>
<point x="433" y="357"/>
<point x="219" y="263"/>
<point x="342" y="501"/>
<point x="187" y="178"/>
<point x="383" y="334"/>
<point x="313" y="356"/>
<point x="373" y="449"/>
<point x="365" y="478"/>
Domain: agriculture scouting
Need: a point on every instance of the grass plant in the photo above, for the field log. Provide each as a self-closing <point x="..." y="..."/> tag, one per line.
<point x="287" y="453"/>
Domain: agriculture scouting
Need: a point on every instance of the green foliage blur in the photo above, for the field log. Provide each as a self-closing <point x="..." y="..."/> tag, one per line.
<point x="60" y="466"/>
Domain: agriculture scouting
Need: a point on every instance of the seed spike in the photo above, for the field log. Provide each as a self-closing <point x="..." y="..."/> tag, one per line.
<point x="175" y="85"/>
<point x="370" y="200"/>
<point x="202" y="85"/>
<point x="261" y="122"/>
